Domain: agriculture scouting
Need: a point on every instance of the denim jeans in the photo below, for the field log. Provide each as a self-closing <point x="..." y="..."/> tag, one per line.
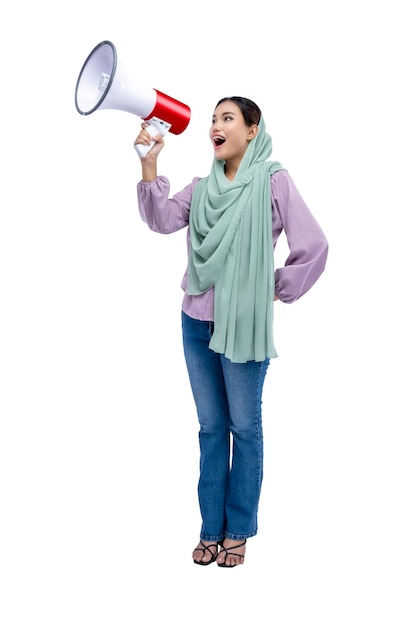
<point x="228" y="398"/>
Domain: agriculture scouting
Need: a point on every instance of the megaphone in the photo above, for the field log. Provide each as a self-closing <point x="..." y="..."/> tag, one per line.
<point x="104" y="83"/>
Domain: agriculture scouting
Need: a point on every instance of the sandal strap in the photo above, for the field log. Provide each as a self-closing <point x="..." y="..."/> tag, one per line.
<point x="229" y="550"/>
<point x="206" y="547"/>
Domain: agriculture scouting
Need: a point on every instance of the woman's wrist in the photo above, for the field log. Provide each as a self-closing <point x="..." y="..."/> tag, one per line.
<point x="149" y="171"/>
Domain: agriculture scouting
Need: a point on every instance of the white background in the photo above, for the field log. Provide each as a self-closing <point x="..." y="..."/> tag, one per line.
<point x="99" y="459"/>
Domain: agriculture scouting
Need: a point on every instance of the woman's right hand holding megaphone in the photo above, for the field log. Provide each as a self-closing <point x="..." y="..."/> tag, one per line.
<point x="148" y="146"/>
<point x="149" y="135"/>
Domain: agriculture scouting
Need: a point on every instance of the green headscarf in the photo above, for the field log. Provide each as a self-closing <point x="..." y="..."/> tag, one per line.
<point x="232" y="249"/>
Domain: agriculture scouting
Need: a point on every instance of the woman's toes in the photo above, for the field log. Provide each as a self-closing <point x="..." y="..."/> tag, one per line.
<point x="232" y="553"/>
<point x="205" y="553"/>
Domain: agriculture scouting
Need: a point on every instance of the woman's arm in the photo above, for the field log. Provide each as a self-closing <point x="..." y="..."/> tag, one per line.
<point x="306" y="241"/>
<point x="161" y="213"/>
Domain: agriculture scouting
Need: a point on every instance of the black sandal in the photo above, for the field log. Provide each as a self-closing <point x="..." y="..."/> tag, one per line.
<point x="204" y="549"/>
<point x="228" y="551"/>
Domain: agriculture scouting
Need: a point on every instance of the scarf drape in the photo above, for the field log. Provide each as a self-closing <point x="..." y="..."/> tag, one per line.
<point x="231" y="248"/>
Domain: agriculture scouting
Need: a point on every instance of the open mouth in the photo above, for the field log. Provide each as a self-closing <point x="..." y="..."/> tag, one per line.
<point x="218" y="141"/>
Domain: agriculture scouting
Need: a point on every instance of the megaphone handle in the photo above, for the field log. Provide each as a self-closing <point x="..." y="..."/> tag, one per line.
<point x="143" y="150"/>
<point x="155" y="127"/>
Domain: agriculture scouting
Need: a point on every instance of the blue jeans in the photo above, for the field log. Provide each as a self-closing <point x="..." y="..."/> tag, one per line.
<point x="228" y="397"/>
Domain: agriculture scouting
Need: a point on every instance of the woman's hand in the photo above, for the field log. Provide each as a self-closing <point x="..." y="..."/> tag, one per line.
<point x="145" y="139"/>
<point x="149" y="161"/>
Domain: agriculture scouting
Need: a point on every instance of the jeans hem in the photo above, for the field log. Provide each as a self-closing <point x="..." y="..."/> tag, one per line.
<point x="211" y="537"/>
<point x="239" y="537"/>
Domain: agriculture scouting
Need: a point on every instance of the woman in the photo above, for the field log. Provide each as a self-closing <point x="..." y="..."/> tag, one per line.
<point x="234" y="217"/>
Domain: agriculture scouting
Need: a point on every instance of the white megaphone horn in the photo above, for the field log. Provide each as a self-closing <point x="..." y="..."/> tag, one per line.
<point x="103" y="83"/>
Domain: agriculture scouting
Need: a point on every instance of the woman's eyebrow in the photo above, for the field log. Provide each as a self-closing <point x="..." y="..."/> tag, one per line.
<point x="224" y="113"/>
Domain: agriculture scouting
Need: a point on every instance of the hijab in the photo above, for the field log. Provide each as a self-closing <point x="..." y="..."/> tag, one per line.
<point x="231" y="248"/>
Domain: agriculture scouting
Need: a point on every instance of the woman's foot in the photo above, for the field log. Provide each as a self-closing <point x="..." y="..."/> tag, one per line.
<point x="205" y="553"/>
<point x="231" y="553"/>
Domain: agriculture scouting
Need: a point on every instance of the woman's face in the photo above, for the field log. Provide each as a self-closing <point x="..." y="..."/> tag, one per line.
<point x="229" y="133"/>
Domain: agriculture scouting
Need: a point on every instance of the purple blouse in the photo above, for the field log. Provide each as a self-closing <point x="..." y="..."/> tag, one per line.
<point x="308" y="246"/>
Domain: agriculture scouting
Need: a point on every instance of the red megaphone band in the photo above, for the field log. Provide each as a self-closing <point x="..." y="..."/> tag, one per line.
<point x="171" y="111"/>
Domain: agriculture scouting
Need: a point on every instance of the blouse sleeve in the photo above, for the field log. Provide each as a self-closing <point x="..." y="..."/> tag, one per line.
<point x="163" y="214"/>
<point x="308" y="246"/>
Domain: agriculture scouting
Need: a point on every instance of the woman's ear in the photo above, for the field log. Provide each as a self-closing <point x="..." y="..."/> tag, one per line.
<point x="253" y="131"/>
